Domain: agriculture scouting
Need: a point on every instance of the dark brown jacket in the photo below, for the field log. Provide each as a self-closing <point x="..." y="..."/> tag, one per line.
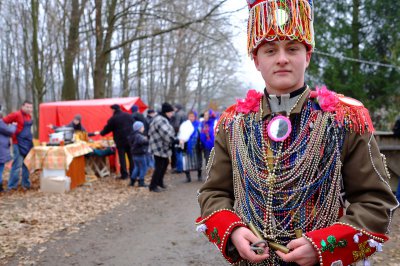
<point x="370" y="200"/>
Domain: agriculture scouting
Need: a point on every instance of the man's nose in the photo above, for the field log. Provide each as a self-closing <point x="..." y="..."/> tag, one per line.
<point x="282" y="57"/>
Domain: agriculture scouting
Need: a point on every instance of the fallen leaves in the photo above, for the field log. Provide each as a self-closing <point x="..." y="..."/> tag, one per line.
<point x="28" y="218"/>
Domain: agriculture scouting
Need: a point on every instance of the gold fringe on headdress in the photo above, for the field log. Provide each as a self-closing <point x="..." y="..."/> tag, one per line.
<point x="272" y="20"/>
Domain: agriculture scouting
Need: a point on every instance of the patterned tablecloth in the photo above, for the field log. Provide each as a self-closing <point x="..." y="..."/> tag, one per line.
<point x="55" y="157"/>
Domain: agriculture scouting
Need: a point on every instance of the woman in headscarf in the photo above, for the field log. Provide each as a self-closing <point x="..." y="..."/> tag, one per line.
<point x="207" y="133"/>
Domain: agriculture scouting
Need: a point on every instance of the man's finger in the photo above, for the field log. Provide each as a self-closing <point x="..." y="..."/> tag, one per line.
<point x="291" y="256"/>
<point x="250" y="255"/>
<point x="295" y="243"/>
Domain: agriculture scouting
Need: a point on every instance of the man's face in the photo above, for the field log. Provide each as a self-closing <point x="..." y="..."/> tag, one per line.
<point x="170" y="114"/>
<point x="27" y="108"/>
<point x="282" y="65"/>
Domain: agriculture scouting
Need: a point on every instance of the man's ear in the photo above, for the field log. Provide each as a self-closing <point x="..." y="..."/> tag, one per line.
<point x="308" y="58"/>
<point x="256" y="62"/>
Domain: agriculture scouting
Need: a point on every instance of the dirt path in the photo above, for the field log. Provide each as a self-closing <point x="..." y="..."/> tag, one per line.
<point x="149" y="229"/>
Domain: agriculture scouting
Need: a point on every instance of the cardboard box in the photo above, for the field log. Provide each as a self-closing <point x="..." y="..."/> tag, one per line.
<point x="53" y="172"/>
<point x="57" y="184"/>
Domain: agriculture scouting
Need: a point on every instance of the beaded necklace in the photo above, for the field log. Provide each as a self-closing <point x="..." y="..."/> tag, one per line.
<point x="295" y="183"/>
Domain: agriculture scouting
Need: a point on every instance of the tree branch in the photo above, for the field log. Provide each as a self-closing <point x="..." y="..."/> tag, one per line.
<point x="160" y="32"/>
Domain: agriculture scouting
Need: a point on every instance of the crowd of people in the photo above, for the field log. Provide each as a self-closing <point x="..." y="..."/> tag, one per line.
<point x="144" y="144"/>
<point x="169" y="136"/>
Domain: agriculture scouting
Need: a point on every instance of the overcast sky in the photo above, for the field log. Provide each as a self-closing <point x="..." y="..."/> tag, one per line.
<point x="248" y="73"/>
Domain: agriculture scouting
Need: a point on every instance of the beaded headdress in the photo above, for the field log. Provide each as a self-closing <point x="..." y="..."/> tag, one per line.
<point x="271" y="20"/>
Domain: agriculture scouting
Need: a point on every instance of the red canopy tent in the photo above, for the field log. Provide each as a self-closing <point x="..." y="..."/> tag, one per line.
<point x="95" y="113"/>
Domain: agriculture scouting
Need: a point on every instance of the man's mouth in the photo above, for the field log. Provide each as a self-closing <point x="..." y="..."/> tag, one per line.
<point x="282" y="71"/>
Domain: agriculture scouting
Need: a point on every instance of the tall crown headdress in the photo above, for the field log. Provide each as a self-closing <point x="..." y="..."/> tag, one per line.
<point x="271" y="20"/>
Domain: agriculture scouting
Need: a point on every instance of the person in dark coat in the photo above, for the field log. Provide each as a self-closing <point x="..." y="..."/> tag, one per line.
<point x="76" y="124"/>
<point x="150" y="115"/>
<point x="6" y="131"/>
<point x="139" y="148"/>
<point x="176" y="121"/>
<point x="137" y="116"/>
<point x="120" y="124"/>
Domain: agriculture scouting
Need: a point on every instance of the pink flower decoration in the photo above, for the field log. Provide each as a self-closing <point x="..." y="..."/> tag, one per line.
<point x="250" y="104"/>
<point x="327" y="99"/>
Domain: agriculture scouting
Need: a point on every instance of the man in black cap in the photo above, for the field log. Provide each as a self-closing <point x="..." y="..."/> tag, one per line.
<point x="120" y="124"/>
<point x="161" y="135"/>
<point x="150" y="115"/>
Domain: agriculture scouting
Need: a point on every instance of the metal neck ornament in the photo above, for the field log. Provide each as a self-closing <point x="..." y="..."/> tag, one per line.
<point x="280" y="127"/>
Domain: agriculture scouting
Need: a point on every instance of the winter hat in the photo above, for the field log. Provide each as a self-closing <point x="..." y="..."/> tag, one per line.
<point x="134" y="108"/>
<point x="166" y="107"/>
<point x="137" y="126"/>
<point x="178" y="106"/>
<point x="271" y="20"/>
<point x="115" y="107"/>
<point x="78" y="117"/>
<point x="150" y="111"/>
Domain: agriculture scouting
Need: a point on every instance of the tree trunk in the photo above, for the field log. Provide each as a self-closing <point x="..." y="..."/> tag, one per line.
<point x="355" y="36"/>
<point x="102" y="47"/>
<point x="139" y="71"/>
<point x="69" y="85"/>
<point x="38" y="88"/>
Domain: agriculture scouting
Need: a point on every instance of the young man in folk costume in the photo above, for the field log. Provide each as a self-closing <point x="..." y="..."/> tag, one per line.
<point x="285" y="160"/>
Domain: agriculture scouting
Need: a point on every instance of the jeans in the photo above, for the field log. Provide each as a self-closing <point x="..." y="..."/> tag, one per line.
<point x="1" y="173"/>
<point x="150" y="160"/>
<point x="139" y="167"/>
<point x="16" y="169"/>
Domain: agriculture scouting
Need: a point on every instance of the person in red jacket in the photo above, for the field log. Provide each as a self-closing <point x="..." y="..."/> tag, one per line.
<point x="22" y="144"/>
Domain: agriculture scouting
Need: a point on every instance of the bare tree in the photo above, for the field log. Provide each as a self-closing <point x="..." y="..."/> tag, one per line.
<point x="158" y="50"/>
<point x="69" y="85"/>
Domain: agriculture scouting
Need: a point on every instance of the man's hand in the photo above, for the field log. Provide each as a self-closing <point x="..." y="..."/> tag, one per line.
<point x="303" y="253"/>
<point x="242" y="238"/>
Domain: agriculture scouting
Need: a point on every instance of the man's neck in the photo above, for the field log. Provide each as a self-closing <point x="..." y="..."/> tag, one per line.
<point x="291" y="94"/>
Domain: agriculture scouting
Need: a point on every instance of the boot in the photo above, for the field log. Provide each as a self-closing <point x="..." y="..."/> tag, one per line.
<point x="188" y="178"/>
<point x="141" y="183"/>
<point x="132" y="183"/>
<point x="199" y="177"/>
